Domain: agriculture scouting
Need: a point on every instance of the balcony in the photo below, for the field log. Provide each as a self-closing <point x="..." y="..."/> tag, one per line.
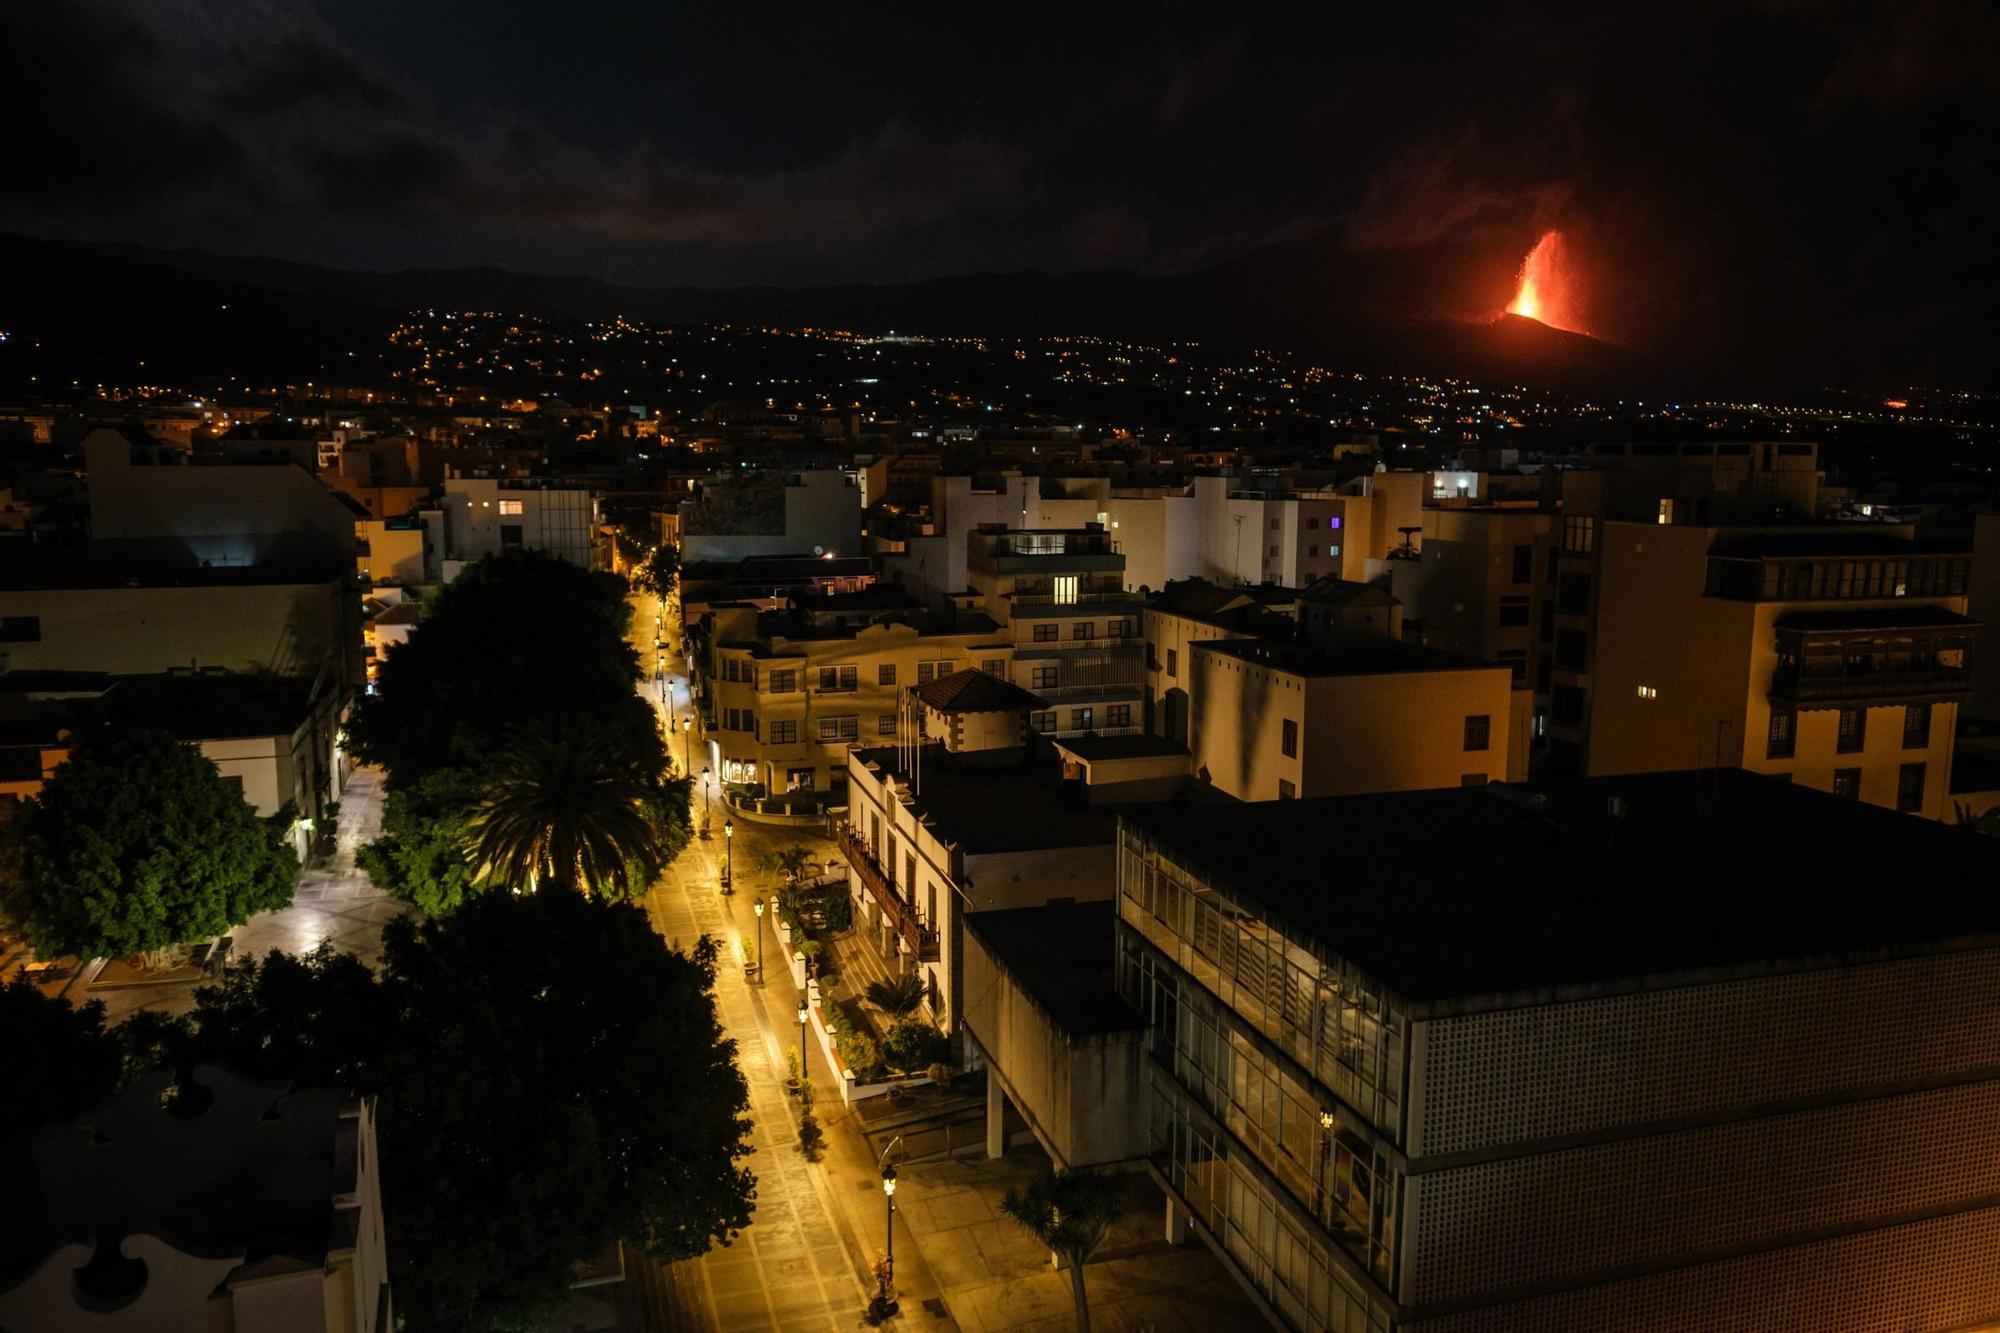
<point x="1092" y="597"/>
<point x="900" y="914"/>
<point x="1874" y="657"/>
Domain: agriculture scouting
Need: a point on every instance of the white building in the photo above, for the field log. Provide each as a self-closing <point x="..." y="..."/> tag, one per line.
<point x="480" y="517"/>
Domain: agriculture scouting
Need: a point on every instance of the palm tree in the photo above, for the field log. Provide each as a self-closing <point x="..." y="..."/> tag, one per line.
<point x="565" y="805"/>
<point x="791" y="862"/>
<point x="898" y="998"/>
<point x="1069" y="1213"/>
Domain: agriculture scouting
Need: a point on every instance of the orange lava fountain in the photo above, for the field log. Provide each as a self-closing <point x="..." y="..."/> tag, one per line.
<point x="1543" y="292"/>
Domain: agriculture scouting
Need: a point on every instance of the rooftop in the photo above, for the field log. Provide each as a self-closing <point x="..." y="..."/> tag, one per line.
<point x="1062" y="956"/>
<point x="1093" y="749"/>
<point x="987" y="807"/>
<point x="1330" y="591"/>
<point x="1490" y="890"/>
<point x="971" y="691"/>
<point x="1810" y="545"/>
<point x="1247" y="609"/>
<point x="1371" y="656"/>
<point x="1881" y="617"/>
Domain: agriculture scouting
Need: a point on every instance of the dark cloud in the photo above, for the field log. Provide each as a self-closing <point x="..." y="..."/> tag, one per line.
<point x="298" y="70"/>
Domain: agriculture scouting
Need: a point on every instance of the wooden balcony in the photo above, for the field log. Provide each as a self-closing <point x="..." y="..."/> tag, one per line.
<point x="900" y="914"/>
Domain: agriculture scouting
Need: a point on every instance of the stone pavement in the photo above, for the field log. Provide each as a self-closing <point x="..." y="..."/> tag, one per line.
<point x="335" y="902"/>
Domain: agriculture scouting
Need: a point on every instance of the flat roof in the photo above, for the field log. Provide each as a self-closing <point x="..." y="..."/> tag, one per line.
<point x="1342" y="657"/>
<point x="1481" y="891"/>
<point x="1000" y="807"/>
<point x="1062" y="955"/>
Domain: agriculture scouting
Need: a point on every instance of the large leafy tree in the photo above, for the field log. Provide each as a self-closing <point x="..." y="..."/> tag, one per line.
<point x="513" y="637"/>
<point x="1069" y="1212"/>
<point x="136" y="843"/>
<point x="424" y="855"/>
<point x="565" y="806"/>
<point x="552" y="1079"/>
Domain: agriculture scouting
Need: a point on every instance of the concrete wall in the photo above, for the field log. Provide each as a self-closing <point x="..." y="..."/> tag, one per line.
<point x="1081" y="1097"/>
<point x="285" y="628"/>
<point x="561" y="523"/>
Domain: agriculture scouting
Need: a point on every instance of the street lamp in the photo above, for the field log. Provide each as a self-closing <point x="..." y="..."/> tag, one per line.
<point x="728" y="852"/>
<point x="687" y="745"/>
<point x="704" y="800"/>
<point x="1325" y="1153"/>
<point x="758" y="906"/>
<point x="804" y="1013"/>
<point x="889" y="1237"/>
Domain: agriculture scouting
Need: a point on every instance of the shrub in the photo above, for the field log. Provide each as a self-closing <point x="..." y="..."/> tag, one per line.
<point x="913" y="1045"/>
<point x="898" y="998"/>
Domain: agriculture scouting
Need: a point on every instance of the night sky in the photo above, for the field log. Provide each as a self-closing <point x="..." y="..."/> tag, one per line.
<point x="1722" y="175"/>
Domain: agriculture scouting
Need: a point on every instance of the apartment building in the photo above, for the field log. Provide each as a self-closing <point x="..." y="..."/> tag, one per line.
<point x="1278" y="719"/>
<point x="1478" y="588"/>
<point x="1058" y="597"/>
<point x="1839" y="657"/>
<point x="481" y="516"/>
<point x="1191" y="611"/>
<point x="1604" y="1055"/>
<point x="785" y="695"/>
<point x="930" y="834"/>
<point x="816" y="513"/>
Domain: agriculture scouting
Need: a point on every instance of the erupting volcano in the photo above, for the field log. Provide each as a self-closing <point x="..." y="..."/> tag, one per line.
<point x="1544" y="293"/>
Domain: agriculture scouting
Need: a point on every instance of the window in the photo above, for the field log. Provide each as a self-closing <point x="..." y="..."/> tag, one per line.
<point x="836" y="680"/>
<point x="1274" y="553"/>
<point x="927" y="671"/>
<point x="1782" y="736"/>
<point x="994" y="666"/>
<point x="1082" y="719"/>
<point x="1312" y="552"/>
<point x="782" y="682"/>
<point x="1847" y="783"/>
<point x="1853" y="731"/>
<point x="1566" y="704"/>
<point x="1524" y="563"/>
<point x="510" y="535"/>
<point x="1286" y="791"/>
<point x="1910" y="787"/>
<point x="1288" y="738"/>
<point x="1649" y="691"/>
<point x="510" y="508"/>
<point x="1043" y="721"/>
<point x="1043" y="678"/>
<point x="1472" y="779"/>
<point x="1579" y="535"/>
<point x="1173" y="663"/>
<point x="1118" y="715"/>
<point x="1312" y="522"/>
<point x="234" y="781"/>
<point x="798" y="779"/>
<point x="885" y="724"/>
<point x="1571" y="646"/>
<point x="885" y="673"/>
<point x="1274" y="528"/>
<point x="1573" y="594"/>
<point x="1478" y="729"/>
<point x="1083" y="629"/>
<point x="1046" y="633"/>
<point x="1514" y="611"/>
<point x="785" y="733"/>
<point x="839" y="728"/>
<point x="1117" y="629"/>
<point x="1065" y="589"/>
<point x="20" y="629"/>
<point x="1666" y="512"/>
<point x="1916" y="726"/>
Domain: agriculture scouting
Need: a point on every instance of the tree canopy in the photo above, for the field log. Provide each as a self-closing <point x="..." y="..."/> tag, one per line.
<point x="136" y="843"/>
<point x="480" y="720"/>
<point x="552" y="1079"/>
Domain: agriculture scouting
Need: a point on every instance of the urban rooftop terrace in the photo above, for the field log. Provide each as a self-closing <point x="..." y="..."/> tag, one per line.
<point x="1464" y="895"/>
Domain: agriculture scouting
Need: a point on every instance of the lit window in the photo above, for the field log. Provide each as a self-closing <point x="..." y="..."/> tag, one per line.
<point x="1065" y="589"/>
<point x="509" y="507"/>
<point x="1648" y="692"/>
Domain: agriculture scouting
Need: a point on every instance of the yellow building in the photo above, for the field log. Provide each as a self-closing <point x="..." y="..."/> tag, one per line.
<point x="1192" y="611"/>
<point x="1839" y="656"/>
<point x="1281" y="719"/>
<point x="788" y="693"/>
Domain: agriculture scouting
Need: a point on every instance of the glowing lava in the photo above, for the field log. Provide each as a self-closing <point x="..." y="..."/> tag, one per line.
<point x="1543" y="294"/>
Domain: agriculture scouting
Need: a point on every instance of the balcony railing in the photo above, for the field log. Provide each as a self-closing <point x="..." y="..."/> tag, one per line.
<point x="1803" y="688"/>
<point x="1086" y="598"/>
<point x="901" y="915"/>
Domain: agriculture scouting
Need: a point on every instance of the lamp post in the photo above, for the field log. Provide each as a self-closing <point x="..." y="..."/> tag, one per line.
<point x="704" y="800"/>
<point x="889" y="1239"/>
<point x="759" y="927"/>
<point x="728" y="852"/>
<point x="804" y="1013"/>
<point x="1325" y="1154"/>
<point x="687" y="744"/>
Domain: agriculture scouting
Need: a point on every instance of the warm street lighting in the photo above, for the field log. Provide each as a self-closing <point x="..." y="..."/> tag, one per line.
<point x="687" y="745"/>
<point x="888" y="1302"/>
<point x="704" y="800"/>
<point x="1325" y="1155"/>
<point x="758" y="905"/>
<point x="728" y="852"/>
<point x="804" y="1013"/>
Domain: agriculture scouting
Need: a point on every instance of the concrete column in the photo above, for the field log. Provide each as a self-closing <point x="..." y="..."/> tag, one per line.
<point x="1177" y="1223"/>
<point x="996" y="1113"/>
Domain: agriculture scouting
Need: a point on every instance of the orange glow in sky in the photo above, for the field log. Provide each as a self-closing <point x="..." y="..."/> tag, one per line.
<point x="1544" y="290"/>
